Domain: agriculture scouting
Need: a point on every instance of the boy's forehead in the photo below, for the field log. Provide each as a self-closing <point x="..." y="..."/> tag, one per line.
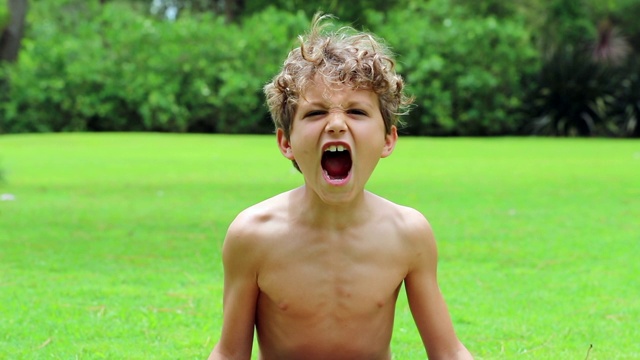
<point x="335" y="94"/>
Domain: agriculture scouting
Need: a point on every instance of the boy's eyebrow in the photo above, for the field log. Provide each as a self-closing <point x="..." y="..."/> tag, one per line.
<point x="349" y="104"/>
<point x="314" y="103"/>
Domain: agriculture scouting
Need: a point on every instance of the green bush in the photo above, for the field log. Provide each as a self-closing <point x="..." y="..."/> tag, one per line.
<point x="624" y="113"/>
<point x="588" y="84"/>
<point x="120" y="70"/>
<point x="570" y="95"/>
<point x="84" y="66"/>
<point x="464" y="71"/>
<point x="577" y="94"/>
<point x="63" y="77"/>
<point x="106" y="68"/>
<point x="257" y="52"/>
<point x="567" y="22"/>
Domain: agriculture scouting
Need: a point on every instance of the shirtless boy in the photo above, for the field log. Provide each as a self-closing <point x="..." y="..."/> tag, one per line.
<point x="316" y="271"/>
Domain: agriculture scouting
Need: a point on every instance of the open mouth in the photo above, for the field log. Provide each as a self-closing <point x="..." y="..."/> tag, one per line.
<point x="336" y="162"/>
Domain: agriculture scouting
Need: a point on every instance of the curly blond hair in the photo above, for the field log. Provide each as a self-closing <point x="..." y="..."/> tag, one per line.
<point x="345" y="57"/>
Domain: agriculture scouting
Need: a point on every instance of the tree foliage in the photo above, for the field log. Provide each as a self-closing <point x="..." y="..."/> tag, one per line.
<point x="562" y="67"/>
<point x="103" y="68"/>
<point x="464" y="71"/>
<point x="589" y="74"/>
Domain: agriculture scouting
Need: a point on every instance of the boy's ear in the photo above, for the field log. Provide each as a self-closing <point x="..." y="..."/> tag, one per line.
<point x="284" y="144"/>
<point x="390" y="141"/>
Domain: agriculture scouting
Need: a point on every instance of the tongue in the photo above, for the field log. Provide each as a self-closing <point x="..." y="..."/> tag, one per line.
<point x="337" y="164"/>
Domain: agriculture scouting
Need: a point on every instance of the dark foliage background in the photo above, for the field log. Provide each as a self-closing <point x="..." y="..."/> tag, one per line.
<point x="558" y="67"/>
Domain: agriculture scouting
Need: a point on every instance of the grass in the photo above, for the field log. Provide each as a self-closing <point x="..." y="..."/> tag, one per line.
<point x="111" y="247"/>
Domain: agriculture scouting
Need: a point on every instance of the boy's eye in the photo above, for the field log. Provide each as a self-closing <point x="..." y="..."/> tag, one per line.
<point x="313" y="113"/>
<point x="357" y="112"/>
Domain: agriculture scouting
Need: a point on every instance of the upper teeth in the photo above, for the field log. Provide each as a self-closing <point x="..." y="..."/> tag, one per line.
<point x="334" y="148"/>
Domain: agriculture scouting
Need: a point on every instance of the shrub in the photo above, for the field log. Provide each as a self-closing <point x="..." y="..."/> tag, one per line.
<point x="570" y="95"/>
<point x="105" y="68"/>
<point x="576" y="96"/>
<point x="261" y="43"/>
<point x="118" y="70"/>
<point x="624" y="113"/>
<point x="464" y="71"/>
<point x="586" y="87"/>
<point x="63" y="69"/>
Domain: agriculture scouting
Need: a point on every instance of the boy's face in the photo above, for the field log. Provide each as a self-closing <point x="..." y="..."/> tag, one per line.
<point x="337" y="138"/>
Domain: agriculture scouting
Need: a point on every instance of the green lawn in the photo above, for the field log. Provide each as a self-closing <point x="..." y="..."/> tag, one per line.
<point x="111" y="247"/>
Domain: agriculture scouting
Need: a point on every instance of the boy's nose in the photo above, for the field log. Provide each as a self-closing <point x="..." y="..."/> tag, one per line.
<point x="336" y="123"/>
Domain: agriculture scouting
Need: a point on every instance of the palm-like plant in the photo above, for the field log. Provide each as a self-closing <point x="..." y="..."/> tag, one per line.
<point x="570" y="96"/>
<point x="586" y="91"/>
<point x="625" y="113"/>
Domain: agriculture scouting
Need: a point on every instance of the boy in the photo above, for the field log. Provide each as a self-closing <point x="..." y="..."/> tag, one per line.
<point x="317" y="270"/>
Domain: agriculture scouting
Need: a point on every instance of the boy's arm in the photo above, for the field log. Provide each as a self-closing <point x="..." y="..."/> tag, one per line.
<point x="240" y="294"/>
<point x="427" y="305"/>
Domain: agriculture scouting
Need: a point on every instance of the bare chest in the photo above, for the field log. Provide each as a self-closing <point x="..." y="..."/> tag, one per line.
<point x="339" y="278"/>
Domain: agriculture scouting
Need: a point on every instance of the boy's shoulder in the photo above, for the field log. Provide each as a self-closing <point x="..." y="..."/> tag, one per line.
<point x="400" y="213"/>
<point x="411" y="223"/>
<point x="260" y="219"/>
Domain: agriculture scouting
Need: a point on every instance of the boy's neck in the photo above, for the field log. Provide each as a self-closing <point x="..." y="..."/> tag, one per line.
<point x="312" y="211"/>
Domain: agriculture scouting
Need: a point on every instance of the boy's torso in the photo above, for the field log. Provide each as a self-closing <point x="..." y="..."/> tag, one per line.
<point x="330" y="294"/>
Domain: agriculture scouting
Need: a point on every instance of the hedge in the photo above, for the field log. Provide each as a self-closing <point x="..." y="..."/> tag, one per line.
<point x="123" y="71"/>
<point x="90" y="67"/>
